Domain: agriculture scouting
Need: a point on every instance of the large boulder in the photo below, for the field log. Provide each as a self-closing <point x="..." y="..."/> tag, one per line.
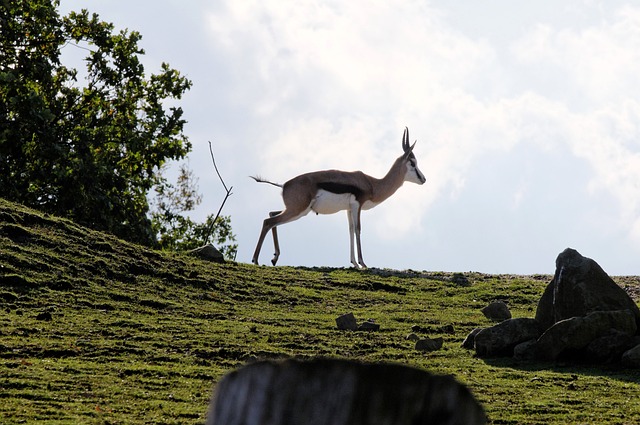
<point x="631" y="358"/>
<point x="572" y="335"/>
<point x="579" y="287"/>
<point x="583" y="315"/>
<point x="610" y="347"/>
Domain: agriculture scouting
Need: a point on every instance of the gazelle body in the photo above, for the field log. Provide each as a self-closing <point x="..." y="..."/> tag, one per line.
<point x="330" y="191"/>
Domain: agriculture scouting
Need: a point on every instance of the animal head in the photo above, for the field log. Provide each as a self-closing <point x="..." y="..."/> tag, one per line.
<point x="413" y="174"/>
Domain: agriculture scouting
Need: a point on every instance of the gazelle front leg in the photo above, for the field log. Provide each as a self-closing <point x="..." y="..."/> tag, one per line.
<point x="358" y="244"/>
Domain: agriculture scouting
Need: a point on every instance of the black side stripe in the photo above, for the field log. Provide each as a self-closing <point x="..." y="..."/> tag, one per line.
<point x="340" y="188"/>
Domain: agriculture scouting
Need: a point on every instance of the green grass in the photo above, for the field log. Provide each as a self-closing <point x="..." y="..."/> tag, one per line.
<point x="138" y="336"/>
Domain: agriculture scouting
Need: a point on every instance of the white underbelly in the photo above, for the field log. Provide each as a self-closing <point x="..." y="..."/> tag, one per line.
<point x="330" y="203"/>
<point x="368" y="205"/>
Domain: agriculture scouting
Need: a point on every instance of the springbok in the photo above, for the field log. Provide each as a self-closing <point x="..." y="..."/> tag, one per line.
<point x="330" y="191"/>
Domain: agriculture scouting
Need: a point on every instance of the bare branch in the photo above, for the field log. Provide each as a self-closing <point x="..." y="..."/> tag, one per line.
<point x="218" y="172"/>
<point x="228" y="190"/>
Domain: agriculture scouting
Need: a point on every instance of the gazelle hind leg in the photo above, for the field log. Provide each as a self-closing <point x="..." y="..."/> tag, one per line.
<point x="266" y="226"/>
<point x="276" y="245"/>
<point x="276" y="218"/>
<point x="354" y="228"/>
<point x="351" y="239"/>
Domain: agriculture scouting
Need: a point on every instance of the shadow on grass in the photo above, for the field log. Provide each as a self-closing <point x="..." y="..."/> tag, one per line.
<point x="571" y="368"/>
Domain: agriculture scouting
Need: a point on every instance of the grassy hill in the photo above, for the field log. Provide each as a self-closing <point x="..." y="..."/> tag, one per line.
<point x="96" y="330"/>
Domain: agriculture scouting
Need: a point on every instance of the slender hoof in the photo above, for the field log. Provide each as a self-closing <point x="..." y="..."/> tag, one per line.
<point x="274" y="260"/>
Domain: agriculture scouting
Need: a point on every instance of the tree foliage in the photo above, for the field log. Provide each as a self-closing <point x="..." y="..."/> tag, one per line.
<point x="87" y="150"/>
<point x="175" y="230"/>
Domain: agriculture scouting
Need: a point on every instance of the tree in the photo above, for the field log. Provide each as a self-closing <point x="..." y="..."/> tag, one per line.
<point x="88" y="152"/>
<point x="174" y="229"/>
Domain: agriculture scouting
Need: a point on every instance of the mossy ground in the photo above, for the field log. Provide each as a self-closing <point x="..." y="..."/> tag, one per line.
<point x="96" y="330"/>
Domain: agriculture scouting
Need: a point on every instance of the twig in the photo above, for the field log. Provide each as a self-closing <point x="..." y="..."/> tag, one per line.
<point x="216" y="167"/>
<point x="228" y="190"/>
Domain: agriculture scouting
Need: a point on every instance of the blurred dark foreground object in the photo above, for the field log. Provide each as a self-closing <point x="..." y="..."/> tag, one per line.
<point x="340" y="392"/>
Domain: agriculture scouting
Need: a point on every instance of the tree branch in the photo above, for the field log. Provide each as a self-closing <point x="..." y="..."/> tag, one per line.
<point x="228" y="190"/>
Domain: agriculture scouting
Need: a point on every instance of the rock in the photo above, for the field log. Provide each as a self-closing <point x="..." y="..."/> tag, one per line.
<point x="412" y="337"/>
<point x="209" y="253"/>
<point x="583" y="315"/>
<point x="609" y="348"/>
<point x="460" y="279"/>
<point x="470" y="341"/>
<point x="429" y="344"/>
<point x="497" y="311"/>
<point x="580" y="287"/>
<point x="576" y="333"/>
<point x="448" y="329"/>
<point x="340" y="392"/>
<point x="631" y="358"/>
<point x="369" y="325"/>
<point x="525" y="350"/>
<point x="347" y="322"/>
<point x="503" y="337"/>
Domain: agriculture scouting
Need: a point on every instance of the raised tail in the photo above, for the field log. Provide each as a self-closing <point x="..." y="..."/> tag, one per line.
<point x="261" y="180"/>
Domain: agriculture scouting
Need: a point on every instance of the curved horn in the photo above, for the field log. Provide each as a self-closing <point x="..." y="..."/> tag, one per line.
<point x="405" y="139"/>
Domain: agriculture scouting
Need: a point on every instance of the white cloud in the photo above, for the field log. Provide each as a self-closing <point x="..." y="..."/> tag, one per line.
<point x="598" y="68"/>
<point x="596" y="64"/>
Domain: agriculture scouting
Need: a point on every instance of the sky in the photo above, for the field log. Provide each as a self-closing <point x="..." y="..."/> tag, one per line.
<point x="526" y="116"/>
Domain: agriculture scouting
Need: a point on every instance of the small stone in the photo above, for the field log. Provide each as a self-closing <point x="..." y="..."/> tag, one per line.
<point x="448" y="329"/>
<point x="347" y="322"/>
<point x="208" y="253"/>
<point x="497" y="311"/>
<point x="369" y="325"/>
<point x="429" y="344"/>
<point x="460" y="279"/>
<point x="412" y="337"/>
